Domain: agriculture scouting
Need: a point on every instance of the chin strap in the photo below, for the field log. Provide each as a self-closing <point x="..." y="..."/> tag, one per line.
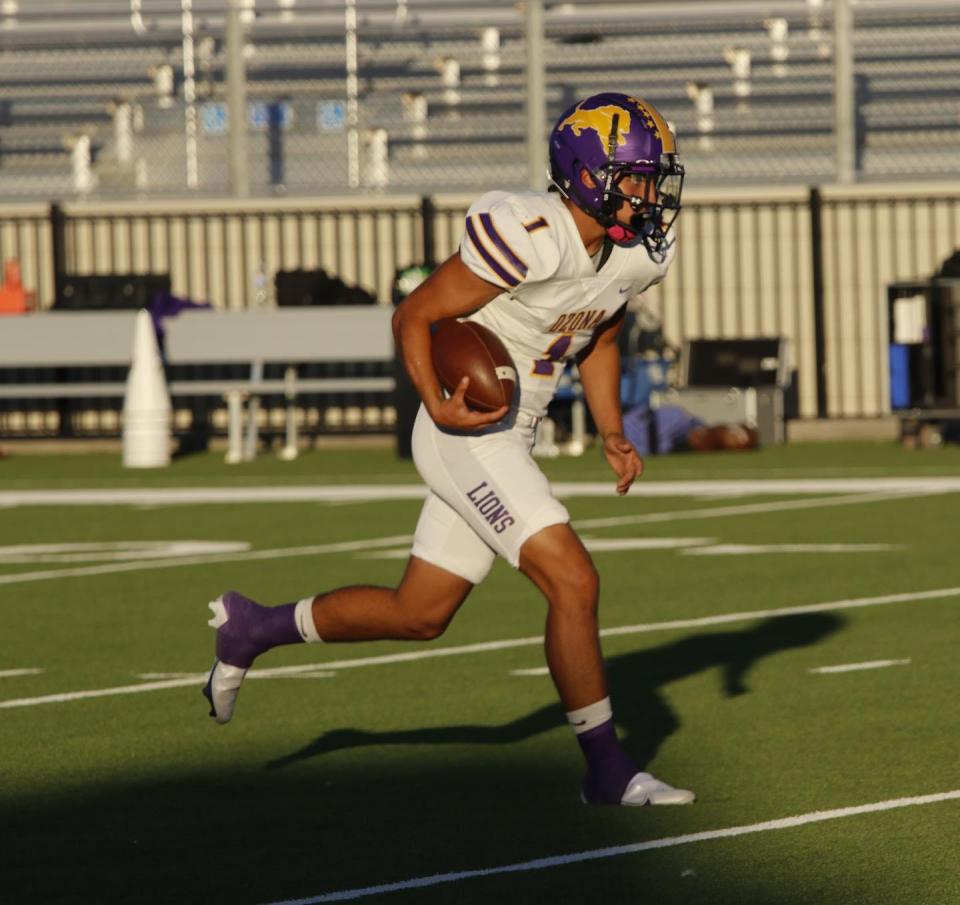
<point x="605" y="251"/>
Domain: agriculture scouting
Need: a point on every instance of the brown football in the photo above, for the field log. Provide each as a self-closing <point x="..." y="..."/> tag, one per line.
<point x="466" y="349"/>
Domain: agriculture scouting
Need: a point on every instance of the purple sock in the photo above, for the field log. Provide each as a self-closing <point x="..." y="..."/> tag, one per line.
<point x="609" y="768"/>
<point x="251" y="629"/>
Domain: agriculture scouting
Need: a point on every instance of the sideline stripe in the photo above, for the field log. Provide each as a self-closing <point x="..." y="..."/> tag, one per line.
<point x="783" y="823"/>
<point x="854" y="667"/>
<point x="359" y="493"/>
<point x="484" y="646"/>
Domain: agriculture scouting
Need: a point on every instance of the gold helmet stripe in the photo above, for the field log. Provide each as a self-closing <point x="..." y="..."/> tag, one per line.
<point x="653" y="119"/>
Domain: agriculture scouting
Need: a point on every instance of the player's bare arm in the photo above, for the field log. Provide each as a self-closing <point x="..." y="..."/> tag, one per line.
<point x="600" y="374"/>
<point x="452" y="290"/>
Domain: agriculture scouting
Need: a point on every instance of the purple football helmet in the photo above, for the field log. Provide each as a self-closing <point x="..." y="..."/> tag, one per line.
<point x="615" y="137"/>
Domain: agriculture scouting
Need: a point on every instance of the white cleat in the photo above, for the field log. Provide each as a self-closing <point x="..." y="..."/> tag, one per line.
<point x="222" y="689"/>
<point x="225" y="680"/>
<point x="645" y="788"/>
<point x="219" y="613"/>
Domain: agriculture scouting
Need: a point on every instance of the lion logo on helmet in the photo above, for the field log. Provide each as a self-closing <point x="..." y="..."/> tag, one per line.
<point x="600" y="120"/>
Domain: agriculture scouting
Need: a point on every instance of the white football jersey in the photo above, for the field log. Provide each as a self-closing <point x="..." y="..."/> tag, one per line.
<point x="554" y="297"/>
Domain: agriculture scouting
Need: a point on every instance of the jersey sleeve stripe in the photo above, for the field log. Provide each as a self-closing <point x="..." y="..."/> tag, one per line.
<point x="491" y="262"/>
<point x="499" y="241"/>
<point x="534" y="225"/>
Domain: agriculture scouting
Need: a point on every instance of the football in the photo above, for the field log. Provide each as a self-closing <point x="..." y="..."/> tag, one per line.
<point x="465" y="349"/>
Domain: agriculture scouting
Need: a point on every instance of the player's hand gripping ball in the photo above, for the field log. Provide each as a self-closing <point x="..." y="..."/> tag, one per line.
<point x="466" y="349"/>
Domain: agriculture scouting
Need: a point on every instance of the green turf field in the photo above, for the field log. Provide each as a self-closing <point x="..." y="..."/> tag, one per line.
<point x="347" y="767"/>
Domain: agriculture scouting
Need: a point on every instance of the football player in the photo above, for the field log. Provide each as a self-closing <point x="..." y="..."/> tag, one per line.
<point x="551" y="274"/>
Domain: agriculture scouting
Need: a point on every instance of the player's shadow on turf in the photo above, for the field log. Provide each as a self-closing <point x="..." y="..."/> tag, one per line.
<point x="644" y="716"/>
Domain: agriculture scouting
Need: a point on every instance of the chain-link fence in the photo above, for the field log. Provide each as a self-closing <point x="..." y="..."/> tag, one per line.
<point x="129" y="98"/>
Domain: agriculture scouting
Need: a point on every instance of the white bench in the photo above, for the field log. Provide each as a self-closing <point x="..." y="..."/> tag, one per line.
<point x="194" y="337"/>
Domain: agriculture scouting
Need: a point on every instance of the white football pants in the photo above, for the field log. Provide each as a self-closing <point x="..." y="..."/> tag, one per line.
<point x="487" y="495"/>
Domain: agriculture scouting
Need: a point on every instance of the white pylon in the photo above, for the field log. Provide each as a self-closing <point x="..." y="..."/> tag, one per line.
<point x="146" y="402"/>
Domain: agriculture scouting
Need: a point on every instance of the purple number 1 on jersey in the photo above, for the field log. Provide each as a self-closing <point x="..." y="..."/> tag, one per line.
<point x="543" y="367"/>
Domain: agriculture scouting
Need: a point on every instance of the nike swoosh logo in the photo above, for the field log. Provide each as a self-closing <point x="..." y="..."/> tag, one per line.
<point x="624" y="289"/>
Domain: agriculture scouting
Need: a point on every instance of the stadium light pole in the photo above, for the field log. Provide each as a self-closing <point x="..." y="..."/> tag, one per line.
<point x="844" y="99"/>
<point x="189" y="94"/>
<point x="237" y="102"/>
<point x="536" y="94"/>
<point x="353" y="91"/>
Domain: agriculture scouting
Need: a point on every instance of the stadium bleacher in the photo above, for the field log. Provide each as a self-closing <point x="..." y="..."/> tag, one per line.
<point x="65" y="67"/>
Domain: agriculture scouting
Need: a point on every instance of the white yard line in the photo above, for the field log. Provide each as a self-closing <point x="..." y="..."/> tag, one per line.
<point x="359" y="493"/>
<point x="318" y="674"/>
<point x="854" y="667"/>
<point x="158" y="676"/>
<point x="850" y="604"/>
<point x="173" y="563"/>
<point x="651" y="518"/>
<point x="758" y="549"/>
<point x="12" y="673"/>
<point x="199" y="496"/>
<point x="99" y="693"/>
<point x="594" y="544"/>
<point x="379" y="543"/>
<point x="783" y="823"/>
<point x="486" y="646"/>
<point x="195" y="677"/>
<point x="618" y="544"/>
<point x="113" y="551"/>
